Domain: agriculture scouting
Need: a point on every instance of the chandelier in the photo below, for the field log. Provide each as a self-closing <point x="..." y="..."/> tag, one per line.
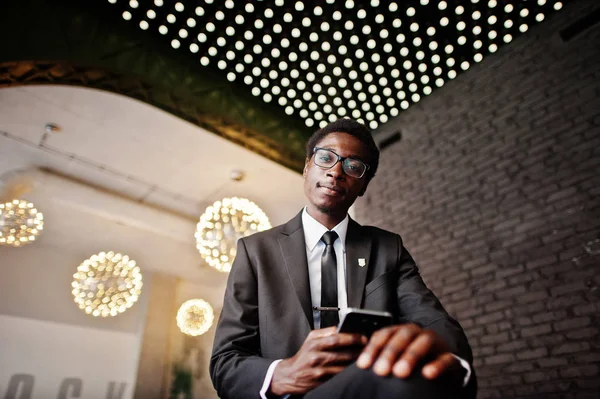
<point x="222" y="224"/>
<point x="195" y="317"/>
<point x="20" y="223"/>
<point x="106" y="284"/>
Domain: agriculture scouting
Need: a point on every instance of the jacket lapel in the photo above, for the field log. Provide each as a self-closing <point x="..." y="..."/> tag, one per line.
<point x="293" y="249"/>
<point x="358" y="251"/>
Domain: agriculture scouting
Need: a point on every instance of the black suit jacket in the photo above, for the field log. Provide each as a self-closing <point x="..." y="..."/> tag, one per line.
<point x="267" y="310"/>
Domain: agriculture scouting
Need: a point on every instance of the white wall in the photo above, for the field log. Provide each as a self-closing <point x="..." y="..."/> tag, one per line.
<point x="53" y="352"/>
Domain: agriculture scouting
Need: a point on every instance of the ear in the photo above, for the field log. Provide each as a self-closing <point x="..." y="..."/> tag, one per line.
<point x="305" y="167"/>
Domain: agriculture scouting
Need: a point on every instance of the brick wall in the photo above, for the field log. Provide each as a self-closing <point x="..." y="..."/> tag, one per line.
<point x="495" y="188"/>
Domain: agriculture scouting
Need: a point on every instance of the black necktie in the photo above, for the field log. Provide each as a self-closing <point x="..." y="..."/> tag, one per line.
<point x="329" y="292"/>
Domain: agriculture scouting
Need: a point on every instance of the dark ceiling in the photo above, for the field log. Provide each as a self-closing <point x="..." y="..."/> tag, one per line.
<point x="263" y="74"/>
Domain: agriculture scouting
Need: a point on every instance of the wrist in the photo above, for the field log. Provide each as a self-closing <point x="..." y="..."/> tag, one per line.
<point x="278" y="386"/>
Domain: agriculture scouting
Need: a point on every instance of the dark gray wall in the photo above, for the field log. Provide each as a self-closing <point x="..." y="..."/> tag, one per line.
<point x="495" y="188"/>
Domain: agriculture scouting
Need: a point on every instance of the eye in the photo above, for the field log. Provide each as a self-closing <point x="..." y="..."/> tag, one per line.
<point x="324" y="156"/>
<point x="354" y="165"/>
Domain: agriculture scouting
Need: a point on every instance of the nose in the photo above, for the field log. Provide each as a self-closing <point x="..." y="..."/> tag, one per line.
<point x="336" y="171"/>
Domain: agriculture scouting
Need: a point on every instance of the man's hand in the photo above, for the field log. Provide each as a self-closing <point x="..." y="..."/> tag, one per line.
<point x="323" y="354"/>
<point x="399" y="350"/>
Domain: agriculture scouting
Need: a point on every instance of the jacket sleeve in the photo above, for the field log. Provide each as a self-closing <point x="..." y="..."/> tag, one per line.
<point x="417" y="304"/>
<point x="237" y="369"/>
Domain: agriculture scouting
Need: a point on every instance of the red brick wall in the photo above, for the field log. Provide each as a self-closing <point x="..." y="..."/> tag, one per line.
<point x="495" y="188"/>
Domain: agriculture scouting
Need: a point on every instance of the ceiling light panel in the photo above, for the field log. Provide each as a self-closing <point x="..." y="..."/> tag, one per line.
<point x="368" y="60"/>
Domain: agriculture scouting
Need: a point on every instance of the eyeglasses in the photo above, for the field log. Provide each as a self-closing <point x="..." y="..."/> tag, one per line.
<point x="327" y="159"/>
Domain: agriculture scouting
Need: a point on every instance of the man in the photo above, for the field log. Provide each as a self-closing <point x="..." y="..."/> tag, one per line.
<point x="276" y="335"/>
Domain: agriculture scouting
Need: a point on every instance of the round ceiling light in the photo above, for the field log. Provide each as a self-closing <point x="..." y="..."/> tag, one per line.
<point x="106" y="284"/>
<point x="20" y="223"/>
<point x="222" y="224"/>
<point x="195" y="317"/>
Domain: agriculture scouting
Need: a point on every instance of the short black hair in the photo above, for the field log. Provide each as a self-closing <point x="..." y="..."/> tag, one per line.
<point x="353" y="128"/>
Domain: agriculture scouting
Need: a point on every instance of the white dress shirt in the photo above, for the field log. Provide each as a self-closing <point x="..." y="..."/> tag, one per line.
<point x="313" y="231"/>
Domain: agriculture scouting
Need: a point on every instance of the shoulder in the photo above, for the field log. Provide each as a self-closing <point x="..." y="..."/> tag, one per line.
<point x="274" y="233"/>
<point x="264" y="236"/>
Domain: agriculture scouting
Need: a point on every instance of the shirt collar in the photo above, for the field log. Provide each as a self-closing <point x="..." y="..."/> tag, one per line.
<point x="313" y="230"/>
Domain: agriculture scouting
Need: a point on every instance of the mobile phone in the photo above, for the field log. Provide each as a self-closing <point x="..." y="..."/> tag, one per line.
<point x="363" y="321"/>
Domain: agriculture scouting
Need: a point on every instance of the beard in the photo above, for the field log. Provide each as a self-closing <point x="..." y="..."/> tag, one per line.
<point x="324" y="209"/>
<point x="333" y="209"/>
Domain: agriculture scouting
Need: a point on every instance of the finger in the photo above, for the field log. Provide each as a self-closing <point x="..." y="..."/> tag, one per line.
<point x="343" y="356"/>
<point x="440" y="365"/>
<point x="343" y="340"/>
<point x="375" y="346"/>
<point x="329" y="358"/>
<point x="323" y="332"/>
<point x="393" y="349"/>
<point x="313" y="338"/>
<point x="420" y="346"/>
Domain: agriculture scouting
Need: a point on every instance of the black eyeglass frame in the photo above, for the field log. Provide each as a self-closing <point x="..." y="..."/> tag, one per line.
<point x="339" y="159"/>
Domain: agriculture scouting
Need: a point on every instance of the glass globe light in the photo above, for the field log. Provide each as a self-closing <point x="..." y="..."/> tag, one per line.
<point x="106" y="284"/>
<point x="195" y="317"/>
<point x="20" y="223"/>
<point x="222" y="224"/>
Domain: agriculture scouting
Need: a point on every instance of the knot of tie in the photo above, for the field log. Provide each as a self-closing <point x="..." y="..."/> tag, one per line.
<point x="329" y="237"/>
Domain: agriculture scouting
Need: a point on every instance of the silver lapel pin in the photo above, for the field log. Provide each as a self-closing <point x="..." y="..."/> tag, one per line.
<point x="362" y="262"/>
